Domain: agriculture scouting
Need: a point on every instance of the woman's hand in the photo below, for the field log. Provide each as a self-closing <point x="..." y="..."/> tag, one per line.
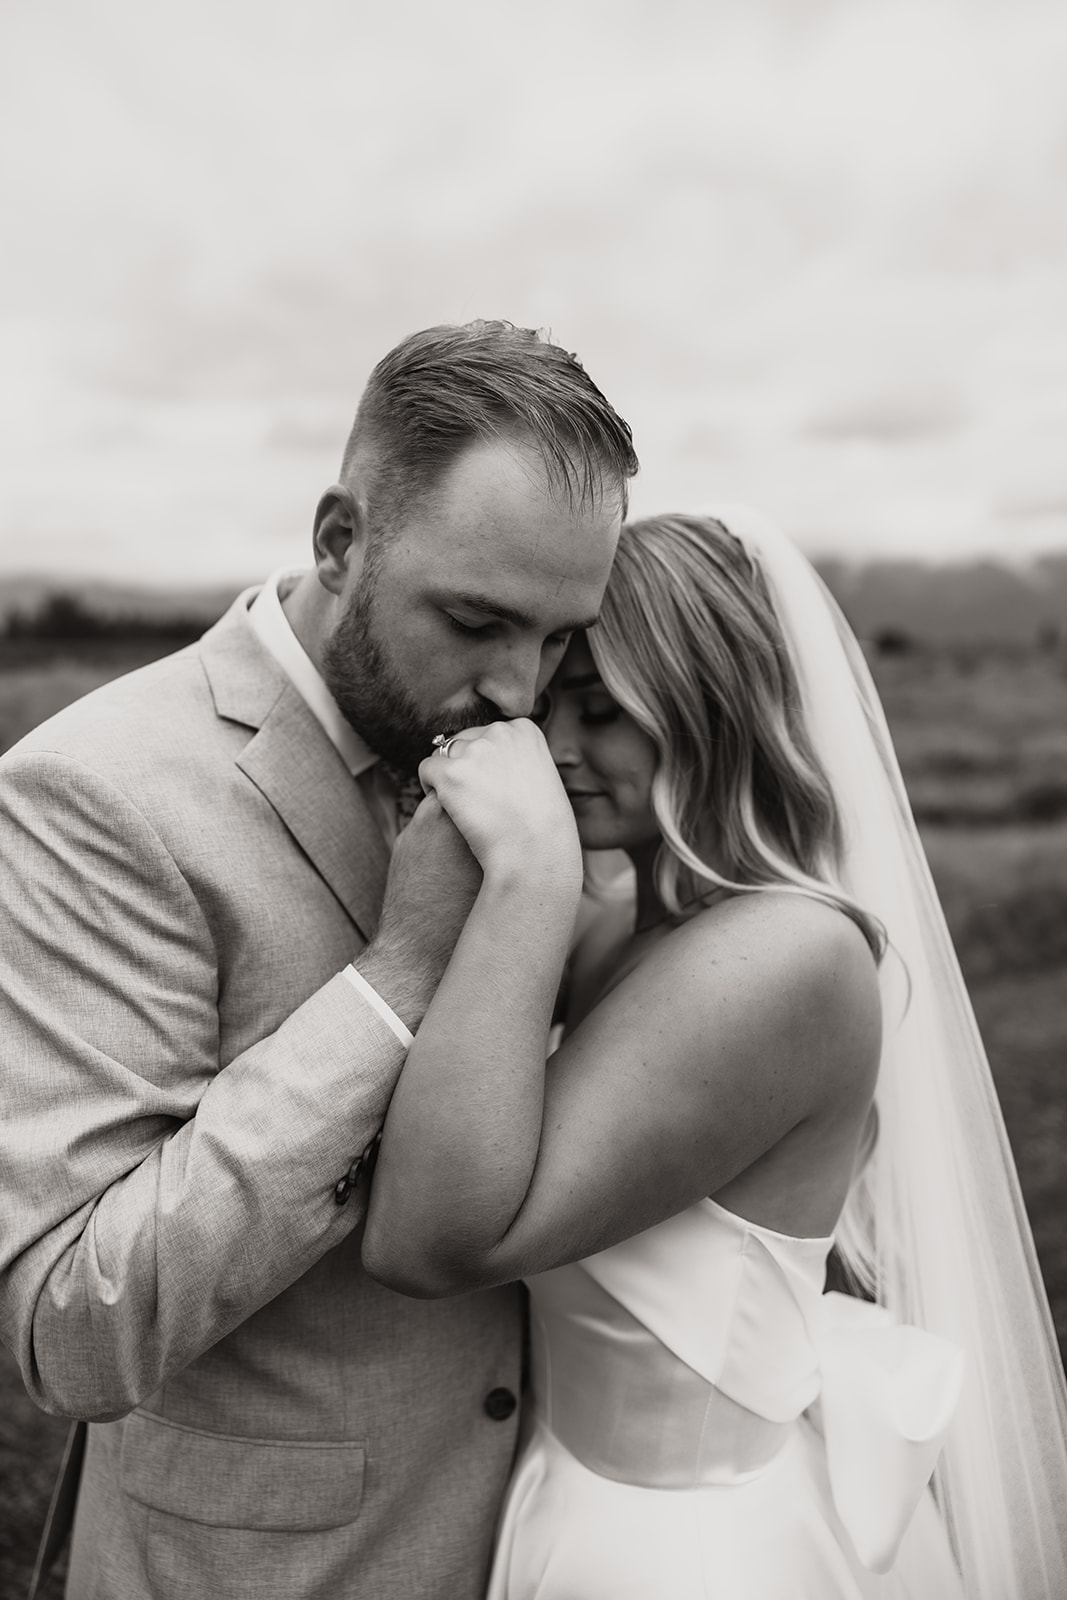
<point x="501" y="789"/>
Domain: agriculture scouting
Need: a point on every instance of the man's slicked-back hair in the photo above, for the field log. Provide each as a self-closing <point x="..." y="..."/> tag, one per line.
<point x="446" y="388"/>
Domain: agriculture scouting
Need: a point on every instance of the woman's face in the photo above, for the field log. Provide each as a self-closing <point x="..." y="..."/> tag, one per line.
<point x="605" y="760"/>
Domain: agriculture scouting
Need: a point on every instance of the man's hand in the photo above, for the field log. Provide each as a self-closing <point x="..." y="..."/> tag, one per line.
<point x="432" y="884"/>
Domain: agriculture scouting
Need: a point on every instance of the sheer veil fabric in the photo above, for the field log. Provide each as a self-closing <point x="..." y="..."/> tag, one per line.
<point x="935" y="1223"/>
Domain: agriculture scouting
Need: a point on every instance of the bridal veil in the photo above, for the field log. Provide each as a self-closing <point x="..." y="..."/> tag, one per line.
<point x="935" y="1225"/>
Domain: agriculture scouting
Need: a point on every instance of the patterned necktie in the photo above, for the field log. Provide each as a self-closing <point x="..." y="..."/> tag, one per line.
<point x="408" y="791"/>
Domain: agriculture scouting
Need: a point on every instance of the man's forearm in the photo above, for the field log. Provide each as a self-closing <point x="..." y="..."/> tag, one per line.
<point x="143" y="1266"/>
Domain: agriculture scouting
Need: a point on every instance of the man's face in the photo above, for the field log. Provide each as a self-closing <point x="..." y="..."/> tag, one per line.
<point x="462" y="615"/>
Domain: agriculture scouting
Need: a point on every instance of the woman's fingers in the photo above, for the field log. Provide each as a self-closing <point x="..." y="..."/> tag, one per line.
<point x="500" y="787"/>
<point x="443" y="747"/>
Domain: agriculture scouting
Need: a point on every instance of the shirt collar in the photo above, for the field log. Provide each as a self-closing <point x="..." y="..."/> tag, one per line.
<point x="275" y="634"/>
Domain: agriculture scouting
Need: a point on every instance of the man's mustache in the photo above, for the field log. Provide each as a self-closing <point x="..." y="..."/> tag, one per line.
<point x="471" y="717"/>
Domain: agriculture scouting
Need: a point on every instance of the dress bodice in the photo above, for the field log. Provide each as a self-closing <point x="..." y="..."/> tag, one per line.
<point x="684" y="1358"/>
<point x="679" y="1357"/>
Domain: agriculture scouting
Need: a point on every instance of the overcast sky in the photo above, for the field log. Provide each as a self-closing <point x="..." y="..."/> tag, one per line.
<point x="814" y="250"/>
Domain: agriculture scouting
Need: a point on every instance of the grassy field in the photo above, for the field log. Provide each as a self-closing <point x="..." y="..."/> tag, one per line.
<point x="982" y="738"/>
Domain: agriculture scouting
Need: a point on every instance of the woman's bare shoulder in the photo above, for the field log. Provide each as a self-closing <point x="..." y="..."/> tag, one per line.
<point x="793" y="929"/>
<point x="793" y="932"/>
<point x="786" y="968"/>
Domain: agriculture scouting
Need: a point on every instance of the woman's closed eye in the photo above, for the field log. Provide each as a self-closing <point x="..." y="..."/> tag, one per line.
<point x="599" y="713"/>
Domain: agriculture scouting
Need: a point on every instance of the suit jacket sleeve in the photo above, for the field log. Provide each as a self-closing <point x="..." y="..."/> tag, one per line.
<point x="152" y="1197"/>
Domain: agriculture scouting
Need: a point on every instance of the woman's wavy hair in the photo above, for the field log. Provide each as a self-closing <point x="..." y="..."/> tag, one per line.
<point x="689" y="644"/>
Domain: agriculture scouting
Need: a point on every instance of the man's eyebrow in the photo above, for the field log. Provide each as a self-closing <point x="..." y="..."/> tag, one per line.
<point x="518" y="619"/>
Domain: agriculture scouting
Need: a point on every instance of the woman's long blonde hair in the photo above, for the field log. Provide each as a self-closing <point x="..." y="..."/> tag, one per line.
<point x="689" y="644"/>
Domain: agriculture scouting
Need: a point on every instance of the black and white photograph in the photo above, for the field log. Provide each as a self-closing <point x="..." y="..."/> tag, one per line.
<point x="533" y="800"/>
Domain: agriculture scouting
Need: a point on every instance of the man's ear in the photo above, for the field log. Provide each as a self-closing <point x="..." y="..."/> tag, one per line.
<point x="340" y="537"/>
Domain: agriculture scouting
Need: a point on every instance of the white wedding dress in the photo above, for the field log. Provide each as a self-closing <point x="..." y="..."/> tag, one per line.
<point x="708" y="1425"/>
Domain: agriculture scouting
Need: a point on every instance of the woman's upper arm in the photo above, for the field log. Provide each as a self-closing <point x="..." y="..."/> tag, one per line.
<point x="740" y="1026"/>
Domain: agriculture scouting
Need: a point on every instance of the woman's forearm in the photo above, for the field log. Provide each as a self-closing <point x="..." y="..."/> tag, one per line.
<point x="464" y="1125"/>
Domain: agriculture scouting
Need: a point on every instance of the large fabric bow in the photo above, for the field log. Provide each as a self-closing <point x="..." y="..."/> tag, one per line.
<point x="888" y="1395"/>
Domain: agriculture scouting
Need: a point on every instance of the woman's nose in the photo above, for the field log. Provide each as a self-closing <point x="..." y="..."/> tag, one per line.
<point x="559" y="729"/>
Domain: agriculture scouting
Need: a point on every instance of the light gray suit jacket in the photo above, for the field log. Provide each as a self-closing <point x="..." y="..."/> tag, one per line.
<point x="186" y="866"/>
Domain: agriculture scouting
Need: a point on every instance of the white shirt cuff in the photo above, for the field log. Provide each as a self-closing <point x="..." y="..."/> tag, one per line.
<point x="374" y="999"/>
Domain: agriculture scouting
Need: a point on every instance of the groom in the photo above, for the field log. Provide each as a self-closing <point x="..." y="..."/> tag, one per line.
<point x="204" y="1008"/>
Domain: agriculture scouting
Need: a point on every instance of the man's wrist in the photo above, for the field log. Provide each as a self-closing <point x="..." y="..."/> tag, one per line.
<point x="378" y="1004"/>
<point x="403" y="977"/>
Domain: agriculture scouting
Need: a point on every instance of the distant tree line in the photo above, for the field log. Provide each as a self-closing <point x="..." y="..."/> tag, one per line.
<point x="64" y="618"/>
<point x="888" y="605"/>
<point x="899" y="607"/>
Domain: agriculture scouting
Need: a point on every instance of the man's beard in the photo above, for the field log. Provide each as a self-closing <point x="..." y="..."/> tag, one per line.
<point x="372" y="696"/>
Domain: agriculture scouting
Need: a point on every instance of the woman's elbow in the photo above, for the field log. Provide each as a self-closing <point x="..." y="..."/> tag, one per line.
<point x="422" y="1272"/>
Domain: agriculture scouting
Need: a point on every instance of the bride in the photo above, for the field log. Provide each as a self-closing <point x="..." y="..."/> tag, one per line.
<point x="767" y="1055"/>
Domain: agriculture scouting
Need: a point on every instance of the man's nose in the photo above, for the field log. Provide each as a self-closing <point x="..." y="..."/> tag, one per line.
<point x="513" y="682"/>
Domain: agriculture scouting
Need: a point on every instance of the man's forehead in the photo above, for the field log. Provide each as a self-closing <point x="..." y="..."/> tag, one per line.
<point x="520" y="573"/>
<point x="488" y="470"/>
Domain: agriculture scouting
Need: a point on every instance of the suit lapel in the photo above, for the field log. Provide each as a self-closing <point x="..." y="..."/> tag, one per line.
<point x="296" y="768"/>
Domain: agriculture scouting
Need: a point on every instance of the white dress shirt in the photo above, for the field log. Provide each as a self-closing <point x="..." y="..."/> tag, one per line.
<point x="276" y="635"/>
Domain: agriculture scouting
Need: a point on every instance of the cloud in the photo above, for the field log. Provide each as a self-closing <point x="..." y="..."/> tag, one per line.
<point x="892" y="418"/>
<point x="816" y="252"/>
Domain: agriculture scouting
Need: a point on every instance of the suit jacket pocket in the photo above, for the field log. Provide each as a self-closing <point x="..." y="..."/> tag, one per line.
<point x="226" y="1481"/>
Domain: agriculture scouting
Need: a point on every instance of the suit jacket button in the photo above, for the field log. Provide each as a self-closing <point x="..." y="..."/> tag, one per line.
<point x="500" y="1404"/>
<point x="344" y="1186"/>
